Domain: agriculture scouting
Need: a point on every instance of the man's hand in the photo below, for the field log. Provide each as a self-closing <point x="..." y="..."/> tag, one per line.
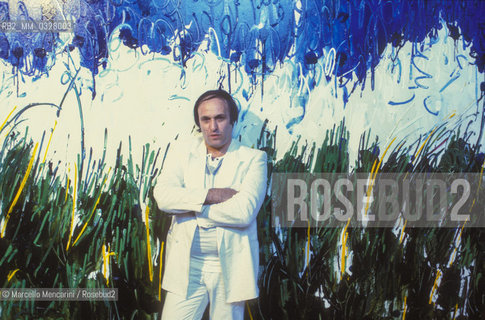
<point x="218" y="195"/>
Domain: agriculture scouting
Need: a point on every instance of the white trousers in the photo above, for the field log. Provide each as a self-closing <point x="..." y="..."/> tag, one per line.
<point x="204" y="287"/>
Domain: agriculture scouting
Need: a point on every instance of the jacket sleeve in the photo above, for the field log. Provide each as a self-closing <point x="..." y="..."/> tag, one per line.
<point x="242" y="209"/>
<point x="170" y="191"/>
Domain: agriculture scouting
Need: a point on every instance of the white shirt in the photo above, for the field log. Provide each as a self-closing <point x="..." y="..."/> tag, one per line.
<point x="204" y="254"/>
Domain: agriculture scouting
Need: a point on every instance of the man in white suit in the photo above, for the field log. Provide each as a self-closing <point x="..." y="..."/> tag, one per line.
<point x="214" y="187"/>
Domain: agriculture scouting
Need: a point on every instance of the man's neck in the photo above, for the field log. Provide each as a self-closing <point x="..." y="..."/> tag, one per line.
<point x="216" y="153"/>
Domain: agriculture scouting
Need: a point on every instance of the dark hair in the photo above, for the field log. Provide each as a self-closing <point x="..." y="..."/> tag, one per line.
<point x="221" y="94"/>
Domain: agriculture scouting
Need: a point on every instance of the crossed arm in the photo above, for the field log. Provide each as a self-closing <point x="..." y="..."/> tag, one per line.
<point x="218" y="195"/>
<point x="222" y="206"/>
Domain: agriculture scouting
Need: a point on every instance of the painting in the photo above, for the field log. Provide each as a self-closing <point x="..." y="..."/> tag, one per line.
<point x="93" y="93"/>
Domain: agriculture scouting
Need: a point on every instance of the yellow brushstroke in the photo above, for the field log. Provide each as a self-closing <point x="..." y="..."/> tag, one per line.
<point x="406" y="175"/>
<point x="454" y="313"/>
<point x="19" y="191"/>
<point x="94" y="208"/>
<point x="373" y="168"/>
<point x="344" y="254"/>
<point x="405" y="307"/>
<point x="24" y="180"/>
<point x="74" y="196"/>
<point x="452" y="257"/>
<point x="11" y="274"/>
<point x="400" y="147"/>
<point x="419" y="151"/>
<point x="481" y="176"/>
<point x="435" y="285"/>
<point x="424" y="143"/>
<point x="160" y="273"/>
<point x="67" y="187"/>
<point x="382" y="158"/>
<point x="374" y="174"/>
<point x="456" y="247"/>
<point x="345" y="235"/>
<point x="249" y="311"/>
<point x="402" y="231"/>
<point x="6" y="119"/>
<point x="308" y="246"/>
<point x="149" y="248"/>
<point x="473" y="204"/>
<point x="49" y="143"/>
<point x="106" y="255"/>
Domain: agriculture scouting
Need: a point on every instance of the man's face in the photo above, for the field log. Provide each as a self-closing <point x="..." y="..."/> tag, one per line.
<point x="215" y="124"/>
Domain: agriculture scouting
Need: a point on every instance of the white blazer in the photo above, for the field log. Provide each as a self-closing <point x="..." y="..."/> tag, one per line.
<point x="180" y="190"/>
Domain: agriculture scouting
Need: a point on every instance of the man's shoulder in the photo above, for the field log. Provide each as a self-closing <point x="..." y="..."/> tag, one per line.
<point x="244" y="150"/>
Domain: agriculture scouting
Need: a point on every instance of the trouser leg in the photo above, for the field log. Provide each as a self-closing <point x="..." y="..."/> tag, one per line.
<point x="177" y="307"/>
<point x="219" y="308"/>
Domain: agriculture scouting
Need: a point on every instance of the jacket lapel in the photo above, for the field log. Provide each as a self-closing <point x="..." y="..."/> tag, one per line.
<point x="226" y="175"/>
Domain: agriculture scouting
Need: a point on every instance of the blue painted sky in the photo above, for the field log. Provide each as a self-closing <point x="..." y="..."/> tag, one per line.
<point x="256" y="35"/>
